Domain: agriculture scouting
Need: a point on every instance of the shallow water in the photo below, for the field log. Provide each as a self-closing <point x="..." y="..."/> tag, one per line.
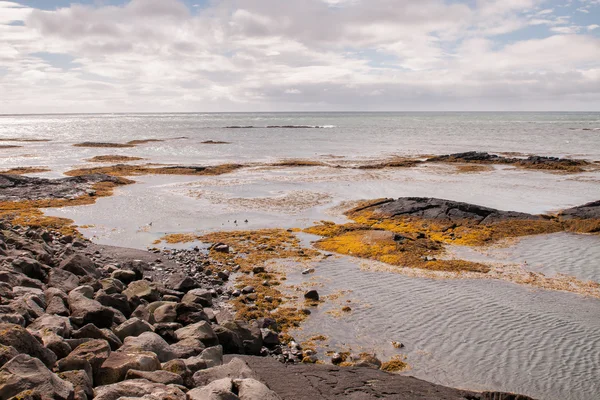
<point x="475" y="334"/>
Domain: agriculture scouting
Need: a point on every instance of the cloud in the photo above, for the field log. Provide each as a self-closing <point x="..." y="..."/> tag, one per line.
<point x="241" y="55"/>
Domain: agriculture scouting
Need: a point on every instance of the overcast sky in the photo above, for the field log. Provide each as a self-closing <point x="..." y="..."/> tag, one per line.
<point x="299" y="55"/>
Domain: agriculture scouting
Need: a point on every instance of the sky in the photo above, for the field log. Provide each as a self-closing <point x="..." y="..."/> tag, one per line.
<point x="68" y="56"/>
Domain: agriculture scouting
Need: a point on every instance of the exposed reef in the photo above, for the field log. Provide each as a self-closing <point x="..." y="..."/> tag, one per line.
<point x="113" y="158"/>
<point x="25" y="170"/>
<point x="152" y="169"/>
<point x="531" y="162"/>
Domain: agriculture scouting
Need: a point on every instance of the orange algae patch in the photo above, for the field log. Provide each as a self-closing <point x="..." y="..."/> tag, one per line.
<point x="25" y="170"/>
<point x="397" y="162"/>
<point x="178" y="238"/>
<point x="251" y="249"/>
<point x="143" y="141"/>
<point x="28" y="212"/>
<point x="113" y="158"/>
<point x="137" y="170"/>
<point x="473" y="168"/>
<point x="396" y="364"/>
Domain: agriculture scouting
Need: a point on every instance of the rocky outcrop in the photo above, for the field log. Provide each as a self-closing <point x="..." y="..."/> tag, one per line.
<point x="586" y="211"/>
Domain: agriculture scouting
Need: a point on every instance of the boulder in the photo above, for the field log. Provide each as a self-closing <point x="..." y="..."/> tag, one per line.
<point x="55" y="343"/>
<point x="30" y="267"/>
<point x="182" y="283"/>
<point x="213" y="356"/>
<point x="142" y="290"/>
<point x="91" y="331"/>
<point x="250" y="389"/>
<point x="201" y="331"/>
<point x="149" y="341"/>
<point x="138" y="388"/>
<point x="56" y="302"/>
<point x="85" y="310"/>
<point x="231" y="342"/>
<point x="112" y="285"/>
<point x="221" y="389"/>
<point x="115" y="367"/>
<point x="164" y="377"/>
<point x="24" y="342"/>
<point x="132" y="327"/>
<point x="55" y="323"/>
<point x="117" y="301"/>
<point x="124" y="276"/>
<point x="95" y="351"/>
<point x="165" y="313"/>
<point x="80" y="265"/>
<point x="190" y="313"/>
<point x="76" y="364"/>
<point x="179" y="367"/>
<point x="24" y="373"/>
<point x="189" y="347"/>
<point x="7" y="353"/>
<point x="167" y="330"/>
<point x="81" y="382"/>
<point x="234" y="369"/>
<point x="63" y="280"/>
<point x="198" y="296"/>
<point x="249" y="334"/>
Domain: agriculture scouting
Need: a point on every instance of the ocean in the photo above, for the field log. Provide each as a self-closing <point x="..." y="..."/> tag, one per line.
<point x="471" y="333"/>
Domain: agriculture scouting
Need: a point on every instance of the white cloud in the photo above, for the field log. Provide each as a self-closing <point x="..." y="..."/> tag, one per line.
<point x="155" y="55"/>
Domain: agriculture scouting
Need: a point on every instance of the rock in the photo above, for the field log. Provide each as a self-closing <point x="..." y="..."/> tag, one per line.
<point x="56" y="302"/>
<point x="115" y="367"/>
<point x="82" y="383"/>
<point x="182" y="283"/>
<point x="308" y="271"/>
<point x="29" y="306"/>
<point x="189" y="347"/>
<point x="80" y="265"/>
<point x="166" y="330"/>
<point x="7" y="353"/>
<point x="112" y="285"/>
<point x="190" y="313"/>
<point x="164" y="377"/>
<point x="93" y="332"/>
<point x="198" y="296"/>
<point x="368" y="361"/>
<point x="224" y="275"/>
<point x="138" y="388"/>
<point x="96" y="351"/>
<point x="12" y="318"/>
<point x="165" y="313"/>
<point x="132" y="327"/>
<point x="234" y="369"/>
<point x="55" y="343"/>
<point x="24" y="373"/>
<point x="213" y="356"/>
<point x="143" y="290"/>
<point x="63" y="280"/>
<point x="24" y="342"/>
<point x="201" y="331"/>
<point x="250" y="389"/>
<point x="249" y="334"/>
<point x="586" y="211"/>
<point x="85" y="310"/>
<point x="124" y="276"/>
<point x="312" y="295"/>
<point x="269" y="337"/>
<point x="248" y="290"/>
<point x="220" y="248"/>
<point x="221" y="389"/>
<point x="258" y="270"/>
<point x="75" y="364"/>
<point x="179" y="367"/>
<point x="30" y="267"/>
<point x="55" y="323"/>
<point x="117" y="301"/>
<point x="231" y="342"/>
<point x="149" y="341"/>
<point x="14" y="278"/>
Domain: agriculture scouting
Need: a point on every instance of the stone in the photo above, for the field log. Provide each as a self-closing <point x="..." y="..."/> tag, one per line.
<point x="112" y="285"/>
<point x="189" y="347"/>
<point x="166" y="330"/>
<point x="55" y="323"/>
<point x="56" y="302"/>
<point x="149" y="341"/>
<point x="55" y="343"/>
<point x="132" y="327"/>
<point x="7" y="353"/>
<point x="190" y="313"/>
<point x="30" y="267"/>
<point x="179" y="367"/>
<point x="125" y="276"/>
<point x="12" y="318"/>
<point x="81" y="382"/>
<point x="269" y="337"/>
<point x="95" y="351"/>
<point x="24" y="373"/>
<point x="93" y="332"/>
<point x="312" y="295"/>
<point x="213" y="356"/>
<point x="198" y="296"/>
<point x="248" y="290"/>
<point x="250" y="389"/>
<point x="138" y="388"/>
<point x="231" y="342"/>
<point x="85" y="310"/>
<point x="234" y="369"/>
<point x="115" y="367"/>
<point x="221" y="389"/>
<point x="80" y="265"/>
<point x="249" y="334"/>
<point x="142" y="290"/>
<point x="308" y="271"/>
<point x="164" y="377"/>
<point x="63" y="280"/>
<point x="182" y="283"/>
<point x="201" y="331"/>
<point x="117" y="301"/>
<point x="75" y="364"/>
<point x="24" y="342"/>
<point x="165" y="313"/>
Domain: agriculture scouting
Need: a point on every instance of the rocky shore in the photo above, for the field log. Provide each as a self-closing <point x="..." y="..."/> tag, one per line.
<point x="83" y="321"/>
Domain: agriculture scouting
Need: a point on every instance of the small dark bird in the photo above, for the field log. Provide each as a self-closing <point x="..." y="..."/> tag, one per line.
<point x="246" y="221"/>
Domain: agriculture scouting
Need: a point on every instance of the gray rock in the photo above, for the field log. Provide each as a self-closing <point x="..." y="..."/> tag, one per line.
<point x="91" y="331"/>
<point x="201" y="331"/>
<point x="24" y="342"/>
<point x="7" y="353"/>
<point x="82" y="383"/>
<point x="124" y="276"/>
<point x="30" y="267"/>
<point x="56" y="302"/>
<point x="179" y="367"/>
<point x="138" y="388"/>
<point x="132" y="327"/>
<point x="198" y="296"/>
<point x="142" y="290"/>
<point x="221" y="389"/>
<point x="85" y="310"/>
<point x="149" y="341"/>
<point x="115" y="367"/>
<point x="55" y="323"/>
<point x="63" y="280"/>
<point x="24" y="373"/>
<point x="55" y="343"/>
<point x="165" y="313"/>
<point x="235" y="369"/>
<point x="80" y="265"/>
<point x="117" y="301"/>
<point x="189" y="347"/>
<point x="312" y="295"/>
<point x="164" y="377"/>
<point x="95" y="351"/>
<point x="250" y="389"/>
